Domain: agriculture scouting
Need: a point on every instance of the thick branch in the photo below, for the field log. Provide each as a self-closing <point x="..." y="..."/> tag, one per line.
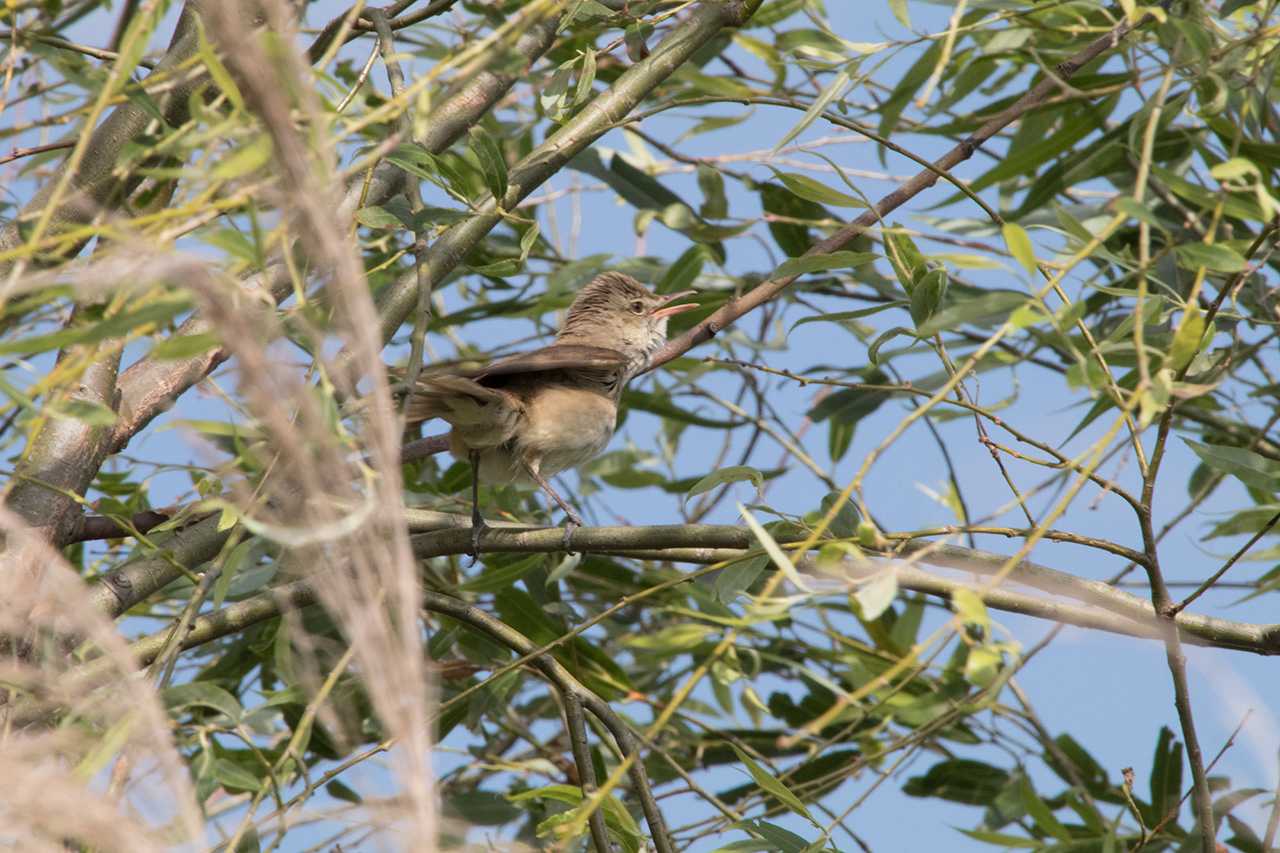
<point x="150" y="386"/>
<point x="96" y="186"/>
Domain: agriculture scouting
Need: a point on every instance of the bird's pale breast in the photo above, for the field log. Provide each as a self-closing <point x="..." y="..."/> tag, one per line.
<point x="566" y="426"/>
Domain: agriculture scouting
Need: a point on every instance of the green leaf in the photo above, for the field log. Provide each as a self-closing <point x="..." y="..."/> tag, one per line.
<point x="792" y="237"/>
<point x="1186" y="341"/>
<point x="85" y="411"/>
<point x="1166" y="775"/>
<point x="848" y="405"/>
<point x="202" y="694"/>
<point x="492" y="164"/>
<point x="732" y="474"/>
<point x="959" y="780"/>
<point x="586" y="77"/>
<point x="928" y="294"/>
<point x="184" y="346"/>
<point x="970" y="608"/>
<point x="982" y="310"/>
<point x="231" y="566"/>
<point x="340" y="791"/>
<point x="843" y="316"/>
<point x="982" y="665"/>
<point x="738" y="577"/>
<point x="247" y="158"/>
<point x="905" y="257"/>
<point x="809" y="189"/>
<point x="502" y="576"/>
<point x="673" y="639"/>
<point x="1019" y="245"/>
<point x="715" y="204"/>
<point x="235" y="778"/>
<point x="770" y="785"/>
<point x="877" y="594"/>
<point x="482" y="808"/>
<point x="378" y="217"/>
<point x="817" y="263"/>
<point x="775" y="552"/>
<point x="829" y="92"/>
<point x="155" y="311"/>
<point x="217" y="71"/>
<point x="873" y="351"/>
<point x="1215" y="256"/>
<point x="899" y="8"/>
<point x="684" y="270"/>
<point x="661" y="405"/>
<point x="1245" y="465"/>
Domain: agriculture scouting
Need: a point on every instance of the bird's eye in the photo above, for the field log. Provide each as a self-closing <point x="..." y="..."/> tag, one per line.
<point x="637" y="307"/>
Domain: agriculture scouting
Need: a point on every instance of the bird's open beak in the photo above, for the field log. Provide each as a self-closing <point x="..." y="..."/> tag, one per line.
<point x="666" y="309"/>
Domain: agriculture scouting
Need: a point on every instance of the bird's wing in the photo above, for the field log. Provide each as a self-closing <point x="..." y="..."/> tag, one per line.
<point x="555" y="357"/>
<point x="483" y="417"/>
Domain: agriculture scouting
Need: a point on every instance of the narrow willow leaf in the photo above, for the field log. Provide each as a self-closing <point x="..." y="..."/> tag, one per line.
<point x="771" y="547"/>
<point x="1186" y="341"/>
<point x="203" y="694"/>
<point x="970" y="608"/>
<point x="982" y="666"/>
<point x="87" y="412"/>
<point x="899" y="8"/>
<point x="994" y="306"/>
<point x="876" y="595"/>
<point x="811" y="190"/>
<point x="738" y="577"/>
<point x="928" y="295"/>
<point x="245" y="159"/>
<point x="770" y="784"/>
<point x="732" y="474"/>
<point x="873" y="351"/>
<point x="1248" y="467"/>
<point x="1216" y="257"/>
<point x="378" y="217"/>
<point x="715" y="204"/>
<point x="586" y="78"/>
<point x="492" y="164"/>
<point x="217" y="71"/>
<point x="1019" y="245"/>
<point x="905" y="256"/>
<point x="818" y="263"/>
<point x="684" y="270"/>
<point x="844" y="316"/>
<point x="830" y="92"/>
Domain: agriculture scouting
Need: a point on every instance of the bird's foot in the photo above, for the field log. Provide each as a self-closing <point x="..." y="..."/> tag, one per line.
<point x="477" y="531"/>
<point x="572" y="523"/>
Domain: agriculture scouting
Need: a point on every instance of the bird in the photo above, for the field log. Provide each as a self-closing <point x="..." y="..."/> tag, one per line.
<point x="524" y="418"/>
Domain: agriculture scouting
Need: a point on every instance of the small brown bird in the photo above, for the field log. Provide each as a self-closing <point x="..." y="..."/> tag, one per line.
<point x="525" y="418"/>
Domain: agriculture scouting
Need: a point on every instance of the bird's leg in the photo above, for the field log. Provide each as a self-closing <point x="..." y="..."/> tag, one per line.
<point x="478" y="527"/>
<point x="574" y="521"/>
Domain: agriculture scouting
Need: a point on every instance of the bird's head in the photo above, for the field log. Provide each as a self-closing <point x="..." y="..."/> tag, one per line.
<point x="618" y="312"/>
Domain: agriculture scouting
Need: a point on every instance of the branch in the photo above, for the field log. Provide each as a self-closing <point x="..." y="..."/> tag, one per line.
<point x="135" y="581"/>
<point x="149" y="386"/>
<point x="101" y="527"/>
<point x="95" y="185"/>
<point x="926" y="178"/>
<point x="64" y="455"/>
<point x="594" y="120"/>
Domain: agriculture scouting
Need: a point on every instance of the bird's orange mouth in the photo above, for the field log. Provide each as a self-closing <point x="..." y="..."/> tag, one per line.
<point x="671" y="310"/>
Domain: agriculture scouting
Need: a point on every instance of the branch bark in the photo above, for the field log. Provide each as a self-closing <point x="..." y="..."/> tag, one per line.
<point x="923" y="180"/>
<point x="149" y="387"/>
<point x="595" y="119"/>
